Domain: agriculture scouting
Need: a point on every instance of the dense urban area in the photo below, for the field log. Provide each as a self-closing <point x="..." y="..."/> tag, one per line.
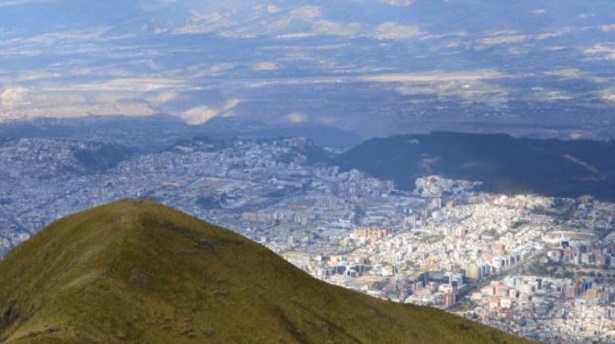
<point x="536" y="266"/>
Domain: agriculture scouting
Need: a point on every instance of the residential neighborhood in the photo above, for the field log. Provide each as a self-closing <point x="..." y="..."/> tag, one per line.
<point x="517" y="262"/>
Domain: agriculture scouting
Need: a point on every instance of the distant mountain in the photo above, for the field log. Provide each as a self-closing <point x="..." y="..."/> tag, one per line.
<point x="505" y="164"/>
<point x="153" y="133"/>
<point x="136" y="271"/>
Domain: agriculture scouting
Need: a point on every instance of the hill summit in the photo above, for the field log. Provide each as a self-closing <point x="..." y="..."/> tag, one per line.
<point x="138" y="271"/>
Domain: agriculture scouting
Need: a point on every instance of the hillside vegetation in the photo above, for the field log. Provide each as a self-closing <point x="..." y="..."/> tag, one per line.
<point x="505" y="164"/>
<point x="140" y="272"/>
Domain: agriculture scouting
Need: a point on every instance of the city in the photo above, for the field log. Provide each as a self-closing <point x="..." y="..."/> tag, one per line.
<point x="535" y="266"/>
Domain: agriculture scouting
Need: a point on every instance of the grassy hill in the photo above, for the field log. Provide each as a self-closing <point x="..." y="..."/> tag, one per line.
<point x="140" y="272"/>
<point x="505" y="164"/>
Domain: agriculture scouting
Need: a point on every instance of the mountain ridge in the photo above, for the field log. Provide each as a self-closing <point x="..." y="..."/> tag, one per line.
<point x="509" y="165"/>
<point x="137" y="271"/>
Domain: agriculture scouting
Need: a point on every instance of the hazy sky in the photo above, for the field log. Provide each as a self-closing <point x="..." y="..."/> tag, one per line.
<point x="465" y="61"/>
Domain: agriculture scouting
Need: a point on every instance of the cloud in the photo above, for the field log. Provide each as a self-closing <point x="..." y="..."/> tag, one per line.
<point x="434" y="76"/>
<point x="203" y="114"/>
<point x="548" y="35"/>
<point x="608" y="95"/>
<point x="162" y="97"/>
<point x="311" y="12"/>
<point x="400" y="3"/>
<point x="472" y="90"/>
<point x="12" y="97"/>
<point x="202" y="23"/>
<point x="20" y="2"/>
<point x="395" y="31"/>
<point x="265" y="66"/>
<point x="129" y="85"/>
<point x="63" y="104"/>
<point x="570" y="73"/>
<point x="296" y="117"/>
<point x="608" y="28"/>
<point x="604" y="51"/>
<point x="272" y="9"/>
<point x="199" y="115"/>
<point x="504" y="39"/>
<point x="35" y="76"/>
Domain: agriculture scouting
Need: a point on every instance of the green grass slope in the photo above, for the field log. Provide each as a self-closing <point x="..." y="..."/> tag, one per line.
<point x="140" y="272"/>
